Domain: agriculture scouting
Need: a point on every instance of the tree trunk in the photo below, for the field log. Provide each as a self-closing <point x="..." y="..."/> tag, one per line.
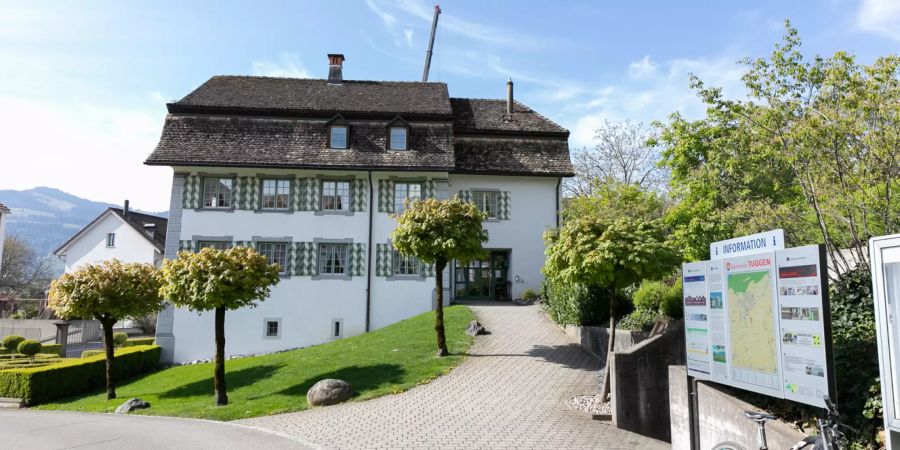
<point x="439" y="307"/>
<point x="109" y="345"/>
<point x="607" y="378"/>
<point x="219" y="376"/>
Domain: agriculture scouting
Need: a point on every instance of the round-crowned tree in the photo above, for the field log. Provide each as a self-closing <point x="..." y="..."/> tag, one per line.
<point x="437" y="232"/>
<point x="120" y="338"/>
<point x="109" y="292"/>
<point x="218" y="280"/>
<point x="11" y="343"/>
<point x="29" y="348"/>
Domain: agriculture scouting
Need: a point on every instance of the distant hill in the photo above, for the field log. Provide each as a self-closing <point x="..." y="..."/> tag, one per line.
<point x="47" y="217"/>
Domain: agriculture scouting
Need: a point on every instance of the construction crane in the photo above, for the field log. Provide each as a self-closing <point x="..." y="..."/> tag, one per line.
<point x="437" y="12"/>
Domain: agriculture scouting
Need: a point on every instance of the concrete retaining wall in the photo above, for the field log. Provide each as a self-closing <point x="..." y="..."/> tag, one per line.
<point x="596" y="339"/>
<point x="721" y="417"/>
<point x="640" y="383"/>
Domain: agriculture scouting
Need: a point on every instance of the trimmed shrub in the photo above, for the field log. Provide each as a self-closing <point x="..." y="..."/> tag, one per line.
<point x="50" y="349"/>
<point x="660" y="296"/>
<point x="29" y="348"/>
<point x="89" y="353"/>
<point x="577" y="304"/>
<point x="11" y="342"/>
<point x="75" y="376"/>
<point x="139" y="341"/>
<point x="119" y="339"/>
<point x="529" y="295"/>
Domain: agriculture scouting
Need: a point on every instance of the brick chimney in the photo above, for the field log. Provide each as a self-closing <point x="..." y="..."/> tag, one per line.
<point x="335" y="68"/>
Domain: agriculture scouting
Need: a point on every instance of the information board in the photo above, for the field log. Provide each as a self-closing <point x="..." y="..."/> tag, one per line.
<point x="761" y="322"/>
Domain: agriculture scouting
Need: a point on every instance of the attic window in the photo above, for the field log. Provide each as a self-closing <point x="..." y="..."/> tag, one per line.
<point x="399" y="137"/>
<point x="337" y="136"/>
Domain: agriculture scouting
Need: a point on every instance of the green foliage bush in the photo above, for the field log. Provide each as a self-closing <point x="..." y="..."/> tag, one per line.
<point x="29" y="347"/>
<point x="75" y="376"/>
<point x="41" y="359"/>
<point x="11" y="342"/>
<point x="530" y="295"/>
<point x="89" y="353"/>
<point x="640" y="320"/>
<point x="663" y="297"/>
<point x="577" y="304"/>
<point x="139" y="341"/>
<point x="120" y="338"/>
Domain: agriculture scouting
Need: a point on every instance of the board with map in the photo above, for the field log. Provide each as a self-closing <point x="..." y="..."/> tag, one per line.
<point x="765" y="326"/>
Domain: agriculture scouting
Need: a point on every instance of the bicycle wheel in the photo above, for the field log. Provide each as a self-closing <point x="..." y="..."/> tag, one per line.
<point x="728" y="445"/>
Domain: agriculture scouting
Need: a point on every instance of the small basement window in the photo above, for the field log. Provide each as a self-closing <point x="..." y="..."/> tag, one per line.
<point x="399" y="139"/>
<point x="273" y="328"/>
<point x="337" y="328"/>
<point x="337" y="136"/>
<point x="110" y="239"/>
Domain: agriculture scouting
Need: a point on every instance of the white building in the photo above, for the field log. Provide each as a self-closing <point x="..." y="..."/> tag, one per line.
<point x="309" y="173"/>
<point x="117" y="233"/>
<point x="4" y="212"/>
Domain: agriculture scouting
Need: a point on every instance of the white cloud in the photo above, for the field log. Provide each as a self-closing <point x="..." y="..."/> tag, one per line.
<point x="880" y="16"/>
<point x="654" y="96"/>
<point x="93" y="151"/>
<point x="287" y="65"/>
<point x="642" y="68"/>
<point x="385" y="17"/>
<point x="408" y="34"/>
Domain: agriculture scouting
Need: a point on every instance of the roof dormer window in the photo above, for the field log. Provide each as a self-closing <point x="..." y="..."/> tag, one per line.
<point x="399" y="138"/>
<point x="337" y="136"/>
<point x="338" y="133"/>
<point x="398" y="134"/>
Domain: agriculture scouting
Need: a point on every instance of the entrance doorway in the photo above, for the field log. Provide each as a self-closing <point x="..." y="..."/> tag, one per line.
<point x="483" y="279"/>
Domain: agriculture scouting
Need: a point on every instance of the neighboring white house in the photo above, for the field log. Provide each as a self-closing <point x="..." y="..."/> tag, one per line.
<point x="309" y="172"/>
<point x="117" y="233"/>
<point x="4" y="211"/>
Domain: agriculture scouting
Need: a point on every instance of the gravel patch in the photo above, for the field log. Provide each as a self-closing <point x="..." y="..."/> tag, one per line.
<point x="589" y="404"/>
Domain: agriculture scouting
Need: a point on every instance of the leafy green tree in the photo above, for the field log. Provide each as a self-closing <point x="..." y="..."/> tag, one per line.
<point x="218" y="280"/>
<point x="437" y="232"/>
<point x="29" y="348"/>
<point x="109" y="292"/>
<point x="814" y="148"/>
<point x="610" y="253"/>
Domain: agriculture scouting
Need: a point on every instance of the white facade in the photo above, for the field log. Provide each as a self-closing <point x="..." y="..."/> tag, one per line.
<point x="89" y="246"/>
<point x="307" y="307"/>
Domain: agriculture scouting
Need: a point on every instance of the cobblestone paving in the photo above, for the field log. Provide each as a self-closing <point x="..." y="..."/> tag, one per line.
<point x="510" y="392"/>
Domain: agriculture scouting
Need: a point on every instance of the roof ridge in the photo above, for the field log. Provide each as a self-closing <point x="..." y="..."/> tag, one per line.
<point x="266" y="77"/>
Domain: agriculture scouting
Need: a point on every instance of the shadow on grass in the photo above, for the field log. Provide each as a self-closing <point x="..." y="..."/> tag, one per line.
<point x="233" y="380"/>
<point x="364" y="378"/>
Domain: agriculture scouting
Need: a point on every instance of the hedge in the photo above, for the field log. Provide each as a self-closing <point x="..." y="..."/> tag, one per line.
<point x="75" y="376"/>
<point x="139" y="341"/>
<point x="52" y="349"/>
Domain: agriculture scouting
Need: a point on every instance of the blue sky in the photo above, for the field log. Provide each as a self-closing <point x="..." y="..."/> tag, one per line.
<point x="83" y="85"/>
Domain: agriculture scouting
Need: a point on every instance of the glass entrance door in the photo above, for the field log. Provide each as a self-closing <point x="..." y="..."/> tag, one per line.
<point x="484" y="279"/>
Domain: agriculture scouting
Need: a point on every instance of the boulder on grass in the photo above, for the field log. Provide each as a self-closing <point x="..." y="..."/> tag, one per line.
<point x="475" y="328"/>
<point x="131" y="405"/>
<point x="329" y="392"/>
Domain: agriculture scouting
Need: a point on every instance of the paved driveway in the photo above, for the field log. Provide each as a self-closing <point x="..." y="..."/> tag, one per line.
<point x="509" y="393"/>
<point x="24" y="429"/>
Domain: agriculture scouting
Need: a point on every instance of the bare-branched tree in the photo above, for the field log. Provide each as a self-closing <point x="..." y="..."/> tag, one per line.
<point x="622" y="153"/>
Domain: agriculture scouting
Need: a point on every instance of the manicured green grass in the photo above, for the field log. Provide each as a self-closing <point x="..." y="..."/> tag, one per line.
<point x="389" y="360"/>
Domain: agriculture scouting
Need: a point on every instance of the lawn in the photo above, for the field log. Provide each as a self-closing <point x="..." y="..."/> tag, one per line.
<point x="386" y="361"/>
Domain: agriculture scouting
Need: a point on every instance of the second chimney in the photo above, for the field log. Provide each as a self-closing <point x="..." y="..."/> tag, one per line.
<point x="335" y="68"/>
<point x="509" y="97"/>
<point x="125" y="209"/>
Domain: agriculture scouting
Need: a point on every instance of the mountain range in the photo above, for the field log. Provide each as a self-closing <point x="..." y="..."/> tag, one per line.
<point x="46" y="217"/>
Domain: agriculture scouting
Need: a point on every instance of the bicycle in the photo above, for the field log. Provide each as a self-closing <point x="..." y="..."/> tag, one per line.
<point x="830" y="437"/>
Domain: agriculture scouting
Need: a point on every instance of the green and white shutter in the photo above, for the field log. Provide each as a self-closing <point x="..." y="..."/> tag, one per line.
<point x="304" y="259"/>
<point x="465" y="195"/>
<point x="357" y="260"/>
<point x="503" y="210"/>
<point x="359" y="193"/>
<point x="246" y="193"/>
<point x="386" y="196"/>
<point x="191" y="193"/>
<point x="384" y="260"/>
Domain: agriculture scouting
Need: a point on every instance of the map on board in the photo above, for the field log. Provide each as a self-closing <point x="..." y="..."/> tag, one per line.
<point x="751" y="323"/>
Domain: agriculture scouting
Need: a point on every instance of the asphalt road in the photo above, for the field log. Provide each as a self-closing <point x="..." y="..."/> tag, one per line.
<point x="30" y="429"/>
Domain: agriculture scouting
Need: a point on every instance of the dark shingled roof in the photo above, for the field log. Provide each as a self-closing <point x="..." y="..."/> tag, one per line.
<point x="155" y="235"/>
<point x="479" y="116"/>
<point x="512" y="156"/>
<point x="302" y="95"/>
<point x="282" y="142"/>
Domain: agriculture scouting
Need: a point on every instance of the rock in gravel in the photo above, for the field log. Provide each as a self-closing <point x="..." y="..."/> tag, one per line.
<point x="131" y="405"/>
<point x="475" y="328"/>
<point x="329" y="392"/>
